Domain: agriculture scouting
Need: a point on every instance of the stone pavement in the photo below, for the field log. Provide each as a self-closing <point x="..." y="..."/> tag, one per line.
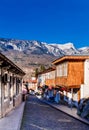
<point x="64" y="108"/>
<point x="12" y="120"/>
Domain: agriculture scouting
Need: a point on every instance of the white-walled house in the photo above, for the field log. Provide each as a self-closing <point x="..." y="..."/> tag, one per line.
<point x="72" y="75"/>
<point x="85" y="85"/>
<point x="47" y="77"/>
<point x="11" y="79"/>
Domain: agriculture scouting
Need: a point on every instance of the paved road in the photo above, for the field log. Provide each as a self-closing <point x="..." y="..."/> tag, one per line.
<point x="40" y="116"/>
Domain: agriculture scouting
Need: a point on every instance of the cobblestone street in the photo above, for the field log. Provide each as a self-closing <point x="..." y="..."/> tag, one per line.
<point x="40" y="116"/>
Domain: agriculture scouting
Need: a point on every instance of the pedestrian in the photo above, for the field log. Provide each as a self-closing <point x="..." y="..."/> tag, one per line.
<point x="27" y="87"/>
<point x="57" y="97"/>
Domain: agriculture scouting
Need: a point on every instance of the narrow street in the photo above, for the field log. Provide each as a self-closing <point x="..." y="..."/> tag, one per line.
<point x="40" y="116"/>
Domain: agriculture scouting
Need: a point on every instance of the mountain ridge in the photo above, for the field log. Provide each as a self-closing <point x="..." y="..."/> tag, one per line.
<point x="29" y="52"/>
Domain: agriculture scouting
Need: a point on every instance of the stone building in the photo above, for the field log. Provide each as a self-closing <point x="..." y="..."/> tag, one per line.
<point x="11" y="79"/>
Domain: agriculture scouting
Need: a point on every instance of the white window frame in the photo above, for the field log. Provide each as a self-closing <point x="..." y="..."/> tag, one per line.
<point x="62" y="69"/>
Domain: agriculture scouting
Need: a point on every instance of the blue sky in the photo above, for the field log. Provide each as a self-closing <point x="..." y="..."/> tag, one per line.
<point x="51" y="21"/>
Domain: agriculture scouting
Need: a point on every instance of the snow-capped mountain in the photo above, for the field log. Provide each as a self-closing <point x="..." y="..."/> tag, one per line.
<point x="35" y="52"/>
<point x="84" y="50"/>
<point x="36" y="47"/>
<point x="64" y="49"/>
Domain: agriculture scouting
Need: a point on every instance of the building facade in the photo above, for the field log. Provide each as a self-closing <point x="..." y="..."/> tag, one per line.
<point x="11" y="79"/>
<point x="47" y="77"/>
<point x="71" y="77"/>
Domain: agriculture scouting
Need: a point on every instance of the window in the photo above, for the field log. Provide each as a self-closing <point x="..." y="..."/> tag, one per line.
<point x="65" y="68"/>
<point x="62" y="69"/>
<point x="52" y="75"/>
<point x="11" y="92"/>
<point x="5" y="91"/>
<point x="17" y="86"/>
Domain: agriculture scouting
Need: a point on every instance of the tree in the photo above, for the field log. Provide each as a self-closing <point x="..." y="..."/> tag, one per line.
<point x="36" y="71"/>
<point x="42" y="68"/>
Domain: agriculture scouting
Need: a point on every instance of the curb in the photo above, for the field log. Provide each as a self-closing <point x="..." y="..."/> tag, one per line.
<point x="80" y="119"/>
<point x="21" y="115"/>
<point x="12" y="121"/>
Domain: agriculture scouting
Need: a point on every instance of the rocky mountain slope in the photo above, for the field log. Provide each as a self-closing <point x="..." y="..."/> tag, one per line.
<point x="32" y="54"/>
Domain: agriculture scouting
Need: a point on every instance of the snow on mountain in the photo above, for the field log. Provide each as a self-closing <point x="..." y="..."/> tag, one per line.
<point x="64" y="46"/>
<point x="40" y="48"/>
<point x="54" y="49"/>
<point x="12" y="46"/>
<point x="32" y="53"/>
<point x="61" y="49"/>
<point x="84" y="50"/>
